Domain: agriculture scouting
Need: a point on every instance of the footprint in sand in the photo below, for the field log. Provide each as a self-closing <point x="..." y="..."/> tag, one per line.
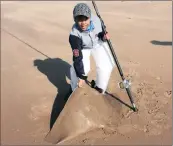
<point x="158" y="122"/>
<point x="152" y="103"/>
<point x="154" y="110"/>
<point x="132" y="75"/>
<point x="156" y="94"/>
<point x="139" y="91"/>
<point x="168" y="93"/>
<point x="144" y="88"/>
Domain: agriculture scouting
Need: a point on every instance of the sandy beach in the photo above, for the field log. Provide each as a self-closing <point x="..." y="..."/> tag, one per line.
<point x="36" y="58"/>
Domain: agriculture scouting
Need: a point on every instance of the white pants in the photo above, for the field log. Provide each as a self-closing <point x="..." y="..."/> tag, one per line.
<point x="104" y="65"/>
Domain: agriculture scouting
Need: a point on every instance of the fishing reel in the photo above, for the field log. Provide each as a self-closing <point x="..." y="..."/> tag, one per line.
<point x="124" y="84"/>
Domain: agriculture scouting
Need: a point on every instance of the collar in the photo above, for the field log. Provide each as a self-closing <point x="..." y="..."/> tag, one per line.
<point x="90" y="27"/>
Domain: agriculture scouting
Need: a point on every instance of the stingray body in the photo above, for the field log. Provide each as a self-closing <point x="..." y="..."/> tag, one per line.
<point x="85" y="110"/>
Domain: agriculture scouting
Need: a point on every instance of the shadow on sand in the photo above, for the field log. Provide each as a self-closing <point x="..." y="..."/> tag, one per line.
<point x="163" y="43"/>
<point x="56" y="71"/>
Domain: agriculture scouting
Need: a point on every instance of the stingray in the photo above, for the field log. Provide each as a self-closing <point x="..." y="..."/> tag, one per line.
<point x="85" y="110"/>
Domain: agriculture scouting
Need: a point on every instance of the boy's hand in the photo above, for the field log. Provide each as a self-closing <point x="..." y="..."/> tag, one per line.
<point x="106" y="36"/>
<point x="80" y="83"/>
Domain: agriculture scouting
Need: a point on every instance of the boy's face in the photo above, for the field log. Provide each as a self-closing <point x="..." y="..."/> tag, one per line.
<point x="83" y="22"/>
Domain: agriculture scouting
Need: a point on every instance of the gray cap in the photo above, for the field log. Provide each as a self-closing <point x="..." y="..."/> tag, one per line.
<point x="81" y="9"/>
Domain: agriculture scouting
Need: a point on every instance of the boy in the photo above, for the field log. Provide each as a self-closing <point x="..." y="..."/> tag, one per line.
<point x="87" y="38"/>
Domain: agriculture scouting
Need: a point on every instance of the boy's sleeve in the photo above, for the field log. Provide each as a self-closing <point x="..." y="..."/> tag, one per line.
<point x="76" y="45"/>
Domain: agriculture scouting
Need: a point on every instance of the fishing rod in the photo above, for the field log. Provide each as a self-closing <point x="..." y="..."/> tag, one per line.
<point x="125" y="83"/>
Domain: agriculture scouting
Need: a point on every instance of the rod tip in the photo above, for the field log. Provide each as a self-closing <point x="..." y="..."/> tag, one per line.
<point x="135" y="109"/>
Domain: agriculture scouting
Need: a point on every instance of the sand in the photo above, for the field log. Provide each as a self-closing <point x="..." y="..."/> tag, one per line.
<point x="35" y="62"/>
